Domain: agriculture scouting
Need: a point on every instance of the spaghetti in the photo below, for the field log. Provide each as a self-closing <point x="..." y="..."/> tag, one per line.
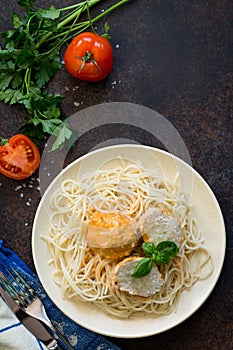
<point x="131" y="190"/>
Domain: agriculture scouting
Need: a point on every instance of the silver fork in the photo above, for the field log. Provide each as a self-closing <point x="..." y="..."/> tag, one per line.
<point x="27" y="298"/>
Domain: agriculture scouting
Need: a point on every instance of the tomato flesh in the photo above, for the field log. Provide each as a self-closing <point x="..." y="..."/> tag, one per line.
<point x="99" y="51"/>
<point x="19" y="158"/>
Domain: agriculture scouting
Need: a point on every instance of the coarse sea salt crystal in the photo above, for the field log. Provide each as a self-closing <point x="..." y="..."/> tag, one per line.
<point x="18" y="187"/>
<point x="113" y="84"/>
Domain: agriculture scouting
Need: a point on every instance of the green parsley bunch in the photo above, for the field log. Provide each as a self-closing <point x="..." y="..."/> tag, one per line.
<point x="31" y="57"/>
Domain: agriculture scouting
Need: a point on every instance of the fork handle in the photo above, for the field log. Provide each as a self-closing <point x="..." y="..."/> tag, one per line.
<point x="56" y="347"/>
<point x="59" y="347"/>
<point x="59" y="336"/>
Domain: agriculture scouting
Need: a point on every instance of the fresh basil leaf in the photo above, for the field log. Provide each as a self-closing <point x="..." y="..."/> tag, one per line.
<point x="159" y="257"/>
<point x="148" y="248"/>
<point x="143" y="267"/>
<point x="168" y="248"/>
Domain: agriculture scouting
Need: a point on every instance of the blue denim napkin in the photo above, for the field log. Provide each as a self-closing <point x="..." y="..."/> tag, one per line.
<point x="79" y="337"/>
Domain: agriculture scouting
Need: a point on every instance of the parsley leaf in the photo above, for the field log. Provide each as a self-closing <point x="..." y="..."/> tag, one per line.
<point x="47" y="69"/>
<point x="62" y="134"/>
<point x="17" y="23"/>
<point x="50" y="13"/>
<point x="5" y="80"/>
<point x="11" y="96"/>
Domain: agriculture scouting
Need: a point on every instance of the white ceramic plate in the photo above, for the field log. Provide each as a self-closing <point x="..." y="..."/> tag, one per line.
<point x="206" y="210"/>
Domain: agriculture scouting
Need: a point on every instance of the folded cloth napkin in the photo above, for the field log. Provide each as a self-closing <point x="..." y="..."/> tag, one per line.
<point x="14" y="336"/>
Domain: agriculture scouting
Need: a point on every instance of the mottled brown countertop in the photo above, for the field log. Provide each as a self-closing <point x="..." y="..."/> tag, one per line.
<point x="174" y="57"/>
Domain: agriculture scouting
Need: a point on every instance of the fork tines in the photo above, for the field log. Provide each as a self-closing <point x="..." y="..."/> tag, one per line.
<point x="22" y="293"/>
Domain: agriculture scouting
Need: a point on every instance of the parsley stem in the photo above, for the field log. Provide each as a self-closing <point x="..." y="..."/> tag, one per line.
<point x="82" y="26"/>
<point x="81" y="8"/>
<point x="93" y="2"/>
<point x="77" y="29"/>
<point x="75" y="14"/>
<point x="110" y="9"/>
<point x="27" y="78"/>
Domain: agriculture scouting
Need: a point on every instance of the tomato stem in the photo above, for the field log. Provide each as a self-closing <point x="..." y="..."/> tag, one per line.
<point x="88" y="57"/>
<point x="3" y="141"/>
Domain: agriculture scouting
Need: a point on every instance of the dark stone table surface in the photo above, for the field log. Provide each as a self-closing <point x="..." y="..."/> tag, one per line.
<point x="174" y="57"/>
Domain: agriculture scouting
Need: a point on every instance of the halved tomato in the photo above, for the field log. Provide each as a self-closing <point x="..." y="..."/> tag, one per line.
<point x="19" y="157"/>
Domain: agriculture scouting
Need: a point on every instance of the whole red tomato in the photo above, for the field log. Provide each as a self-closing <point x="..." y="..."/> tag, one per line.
<point x="89" y="57"/>
<point x="19" y="157"/>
